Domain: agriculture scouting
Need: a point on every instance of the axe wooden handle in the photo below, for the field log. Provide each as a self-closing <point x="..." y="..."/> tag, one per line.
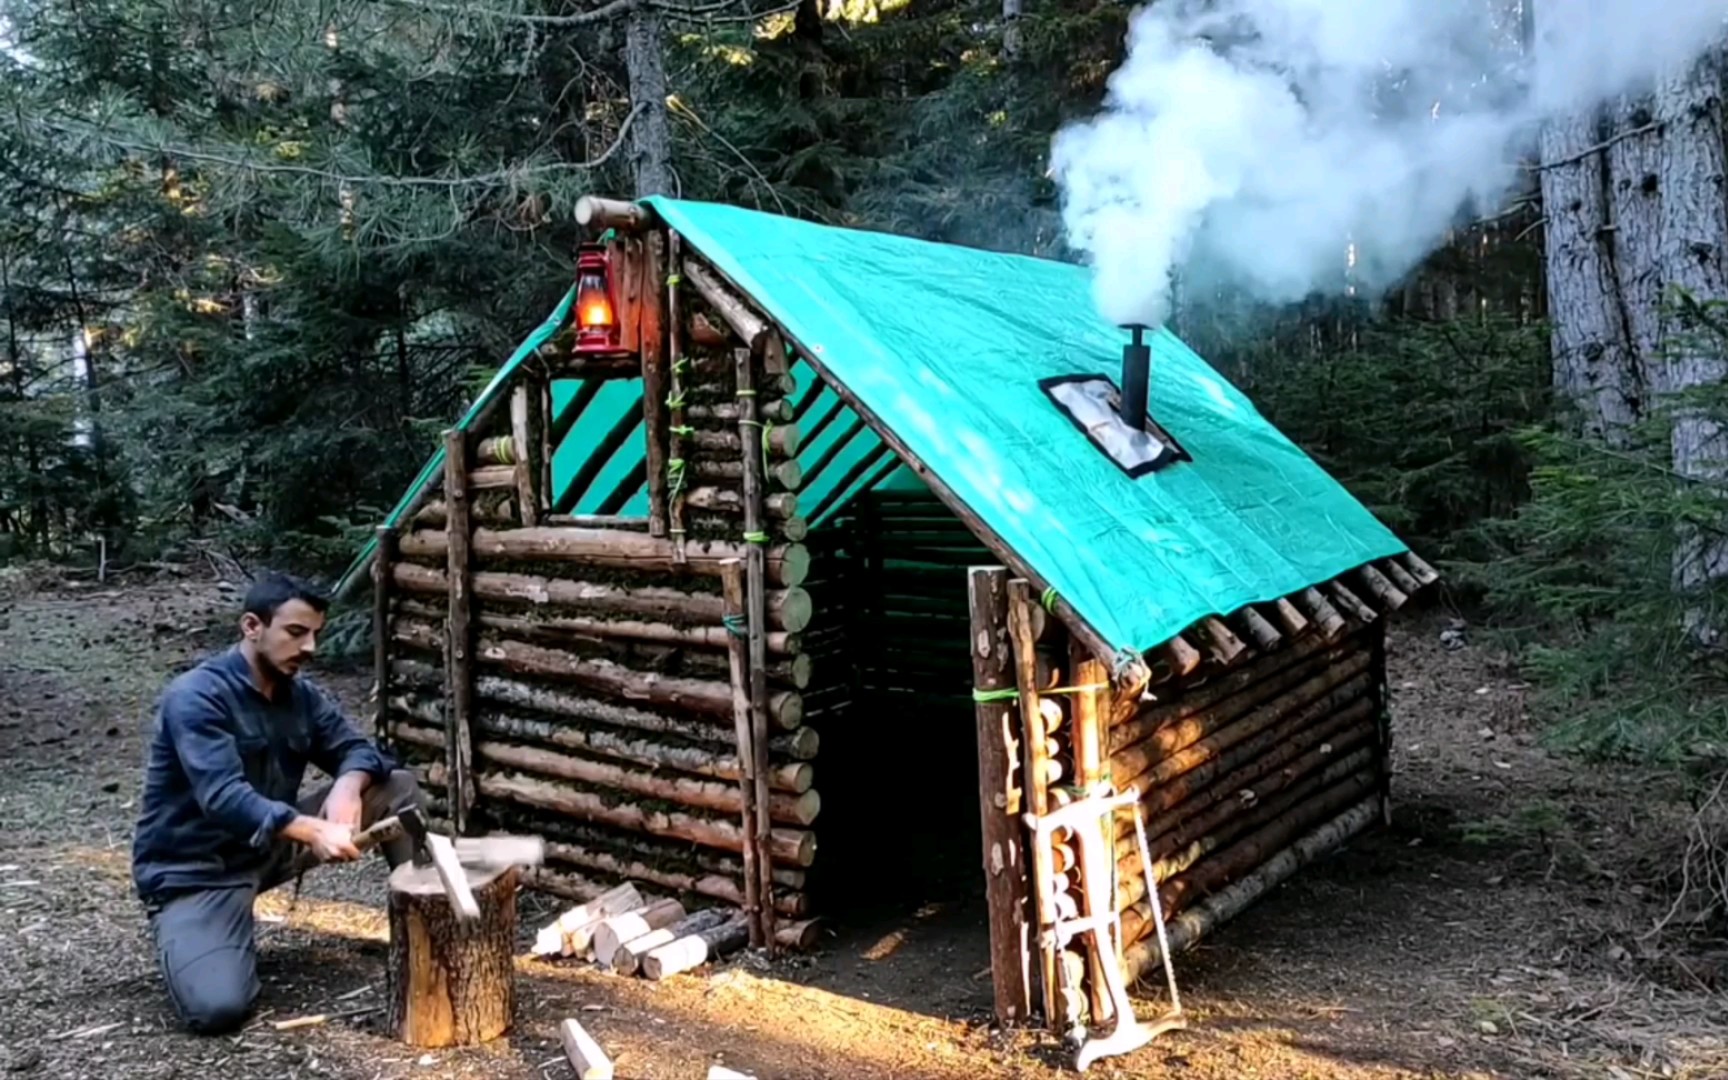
<point x="381" y="831"/>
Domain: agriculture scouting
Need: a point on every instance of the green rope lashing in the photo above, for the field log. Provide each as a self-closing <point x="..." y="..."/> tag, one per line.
<point x="766" y="427"/>
<point x="675" y="401"/>
<point x="675" y="476"/>
<point x="1049" y="600"/>
<point x="1014" y="695"/>
<point x="756" y="538"/>
<point x="684" y="430"/>
<point x="674" y="280"/>
<point x="681" y="365"/>
<point x="736" y="625"/>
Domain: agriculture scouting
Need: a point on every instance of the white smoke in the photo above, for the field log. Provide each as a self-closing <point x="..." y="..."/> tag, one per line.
<point x="1252" y="141"/>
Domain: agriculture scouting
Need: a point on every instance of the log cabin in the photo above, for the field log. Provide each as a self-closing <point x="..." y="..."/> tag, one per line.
<point x="775" y="530"/>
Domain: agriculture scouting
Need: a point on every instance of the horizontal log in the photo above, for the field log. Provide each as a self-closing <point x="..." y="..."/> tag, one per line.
<point x="794" y="846"/>
<point x="1271" y="796"/>
<point x="795" y="777"/>
<point x="1255" y="682"/>
<point x="1186" y="930"/>
<point x="597" y="521"/>
<point x="541" y="625"/>
<point x="780" y="506"/>
<point x="800" y="745"/>
<point x="1177" y="747"/>
<point x="670" y="855"/>
<point x="1242" y="857"/>
<point x="787" y="475"/>
<point x="775" y="411"/>
<point x="787" y="901"/>
<point x="782" y="441"/>
<point x="787" y="609"/>
<point x="799" y="809"/>
<point x="1191" y="771"/>
<point x="794" y="671"/>
<point x="785" y="708"/>
<point x="787" y="565"/>
<point x="492" y="477"/>
<point x="436" y="514"/>
<point x="791" y="530"/>
<point x="596" y="214"/>
<point x="1239" y="770"/>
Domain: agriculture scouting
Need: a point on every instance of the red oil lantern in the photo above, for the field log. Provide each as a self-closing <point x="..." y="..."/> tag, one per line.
<point x="596" y="311"/>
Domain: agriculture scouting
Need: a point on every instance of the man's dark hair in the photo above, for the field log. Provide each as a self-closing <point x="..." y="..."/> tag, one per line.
<point x="272" y="590"/>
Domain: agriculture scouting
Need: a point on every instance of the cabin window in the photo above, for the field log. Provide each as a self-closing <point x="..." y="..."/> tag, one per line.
<point x="1092" y="404"/>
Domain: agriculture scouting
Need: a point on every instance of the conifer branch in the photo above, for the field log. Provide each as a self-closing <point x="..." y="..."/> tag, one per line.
<point x="599" y="14"/>
<point x="187" y="153"/>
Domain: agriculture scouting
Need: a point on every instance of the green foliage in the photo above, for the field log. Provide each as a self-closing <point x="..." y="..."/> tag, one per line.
<point x="1419" y="419"/>
<point x="1582" y="581"/>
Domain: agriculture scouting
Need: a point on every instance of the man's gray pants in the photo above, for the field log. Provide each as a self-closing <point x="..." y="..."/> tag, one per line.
<point x="204" y="939"/>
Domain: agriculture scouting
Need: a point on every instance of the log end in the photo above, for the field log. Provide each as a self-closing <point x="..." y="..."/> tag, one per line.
<point x="795" y="607"/>
<point x="794" y="566"/>
<point x="786" y="709"/>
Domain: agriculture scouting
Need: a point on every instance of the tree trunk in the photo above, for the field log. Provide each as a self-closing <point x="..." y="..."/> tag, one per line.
<point x="450" y="984"/>
<point x="1692" y="175"/>
<point x="1594" y="367"/>
<point x="651" y="143"/>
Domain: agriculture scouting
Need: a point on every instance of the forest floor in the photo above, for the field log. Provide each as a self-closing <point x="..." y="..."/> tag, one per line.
<point x="1497" y="929"/>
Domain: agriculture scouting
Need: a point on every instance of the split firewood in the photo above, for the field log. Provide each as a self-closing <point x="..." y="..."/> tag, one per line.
<point x="586" y="1057"/>
<point x="616" y="930"/>
<point x="693" y="950"/>
<point x="627" y="958"/>
<point x="551" y="937"/>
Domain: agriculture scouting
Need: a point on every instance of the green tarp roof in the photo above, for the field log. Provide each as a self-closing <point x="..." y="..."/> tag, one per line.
<point x="946" y="346"/>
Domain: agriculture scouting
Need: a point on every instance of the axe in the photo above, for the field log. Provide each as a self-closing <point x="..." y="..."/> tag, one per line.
<point x="443" y="854"/>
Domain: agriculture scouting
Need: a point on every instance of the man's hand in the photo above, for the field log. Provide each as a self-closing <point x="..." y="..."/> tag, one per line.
<point x="342" y="806"/>
<point x="329" y="841"/>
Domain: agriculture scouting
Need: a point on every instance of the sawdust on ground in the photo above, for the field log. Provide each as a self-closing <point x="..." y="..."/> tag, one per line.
<point x="1463" y="942"/>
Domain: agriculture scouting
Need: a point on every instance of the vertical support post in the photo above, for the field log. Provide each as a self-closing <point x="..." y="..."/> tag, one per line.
<point x="999" y="799"/>
<point x="547" y="446"/>
<point x="732" y="595"/>
<point x="1085" y="669"/>
<point x="528" y="500"/>
<point x="383" y="569"/>
<point x="676" y="428"/>
<point x="1036" y="783"/>
<point x="458" y="636"/>
<point x="756" y="605"/>
<point x="1383" y="716"/>
<point x="654" y="383"/>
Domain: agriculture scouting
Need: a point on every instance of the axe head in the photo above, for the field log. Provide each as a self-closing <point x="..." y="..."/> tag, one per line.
<point x="414" y="825"/>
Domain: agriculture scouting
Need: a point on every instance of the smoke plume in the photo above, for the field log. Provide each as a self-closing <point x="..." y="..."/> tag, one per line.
<point x="1251" y="143"/>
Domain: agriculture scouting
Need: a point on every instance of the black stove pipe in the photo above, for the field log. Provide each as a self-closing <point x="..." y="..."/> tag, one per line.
<point x="1136" y="374"/>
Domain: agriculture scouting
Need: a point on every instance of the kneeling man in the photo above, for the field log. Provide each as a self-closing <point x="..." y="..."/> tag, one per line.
<point x="221" y="820"/>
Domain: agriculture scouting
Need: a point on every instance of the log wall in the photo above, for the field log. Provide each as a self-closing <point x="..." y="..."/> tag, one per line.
<point x="600" y="710"/>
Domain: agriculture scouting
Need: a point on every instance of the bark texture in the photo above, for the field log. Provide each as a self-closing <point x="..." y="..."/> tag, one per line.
<point x="450" y="984"/>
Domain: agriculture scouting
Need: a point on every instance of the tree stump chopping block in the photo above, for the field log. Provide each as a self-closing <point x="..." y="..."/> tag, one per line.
<point x="450" y="982"/>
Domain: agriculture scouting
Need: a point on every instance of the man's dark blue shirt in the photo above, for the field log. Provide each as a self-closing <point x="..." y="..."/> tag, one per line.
<point x="225" y="767"/>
